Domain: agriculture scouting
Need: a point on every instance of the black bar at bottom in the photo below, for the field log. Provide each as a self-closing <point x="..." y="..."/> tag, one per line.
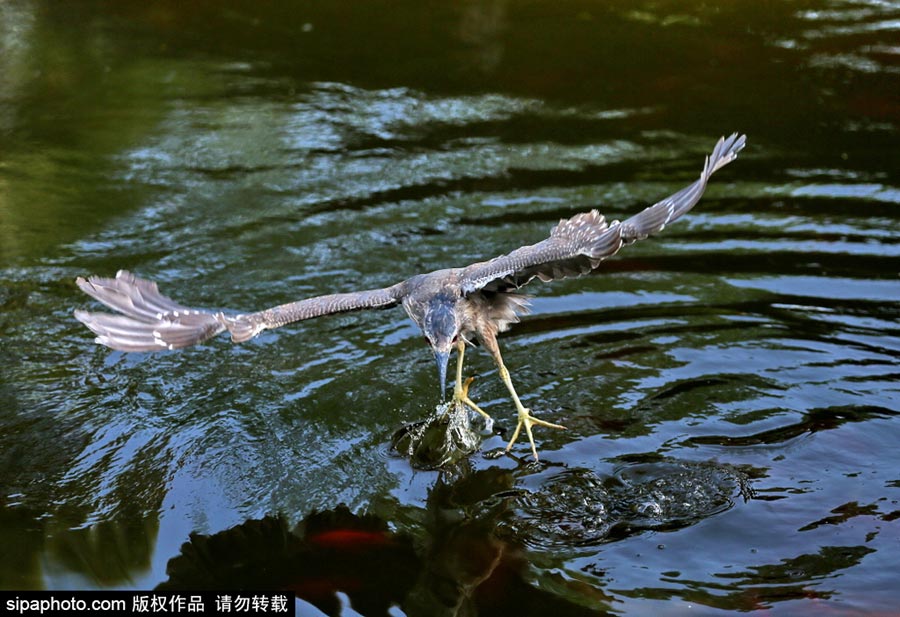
<point x="148" y="603"/>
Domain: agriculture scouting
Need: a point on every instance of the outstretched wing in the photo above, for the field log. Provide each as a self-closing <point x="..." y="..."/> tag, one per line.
<point x="149" y="321"/>
<point x="578" y="245"/>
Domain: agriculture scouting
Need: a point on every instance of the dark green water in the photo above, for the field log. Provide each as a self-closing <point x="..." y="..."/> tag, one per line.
<point x="730" y="387"/>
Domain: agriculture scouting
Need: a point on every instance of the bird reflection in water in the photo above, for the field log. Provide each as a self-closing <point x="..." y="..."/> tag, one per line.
<point x="459" y="566"/>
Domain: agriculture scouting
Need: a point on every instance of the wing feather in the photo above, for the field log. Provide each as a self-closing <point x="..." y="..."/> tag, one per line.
<point x="578" y="245"/>
<point x="575" y="247"/>
<point x="150" y="321"/>
<point x="244" y="327"/>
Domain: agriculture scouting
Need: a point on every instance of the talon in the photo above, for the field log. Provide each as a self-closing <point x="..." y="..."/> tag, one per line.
<point x="527" y="420"/>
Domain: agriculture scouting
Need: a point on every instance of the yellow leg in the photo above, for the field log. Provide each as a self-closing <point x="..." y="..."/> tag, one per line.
<point x="525" y="418"/>
<point x="460" y="389"/>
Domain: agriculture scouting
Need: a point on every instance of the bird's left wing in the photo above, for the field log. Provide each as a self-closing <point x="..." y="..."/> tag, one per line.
<point x="578" y="245"/>
<point x="150" y="321"/>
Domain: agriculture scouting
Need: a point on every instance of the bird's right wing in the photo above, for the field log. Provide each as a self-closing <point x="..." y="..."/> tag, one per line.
<point x="578" y="245"/>
<point x="150" y="321"/>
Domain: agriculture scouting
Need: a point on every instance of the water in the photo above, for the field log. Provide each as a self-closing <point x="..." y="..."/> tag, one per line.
<point x="729" y="388"/>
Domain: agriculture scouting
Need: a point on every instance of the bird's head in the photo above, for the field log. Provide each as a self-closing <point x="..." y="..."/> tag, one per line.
<point x="440" y="324"/>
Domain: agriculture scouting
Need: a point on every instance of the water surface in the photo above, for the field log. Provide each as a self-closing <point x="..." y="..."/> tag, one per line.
<point x="730" y="387"/>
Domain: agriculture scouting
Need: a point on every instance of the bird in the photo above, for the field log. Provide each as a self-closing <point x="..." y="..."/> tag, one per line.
<point x="454" y="307"/>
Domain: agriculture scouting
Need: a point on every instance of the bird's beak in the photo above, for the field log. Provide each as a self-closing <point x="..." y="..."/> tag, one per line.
<point x="442" y="358"/>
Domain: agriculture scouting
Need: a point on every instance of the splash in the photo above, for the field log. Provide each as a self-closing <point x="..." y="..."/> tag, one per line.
<point x="444" y="437"/>
<point x="579" y="507"/>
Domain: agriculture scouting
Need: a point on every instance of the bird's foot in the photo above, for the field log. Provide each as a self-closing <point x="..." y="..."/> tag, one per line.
<point x="461" y="395"/>
<point x="527" y="420"/>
